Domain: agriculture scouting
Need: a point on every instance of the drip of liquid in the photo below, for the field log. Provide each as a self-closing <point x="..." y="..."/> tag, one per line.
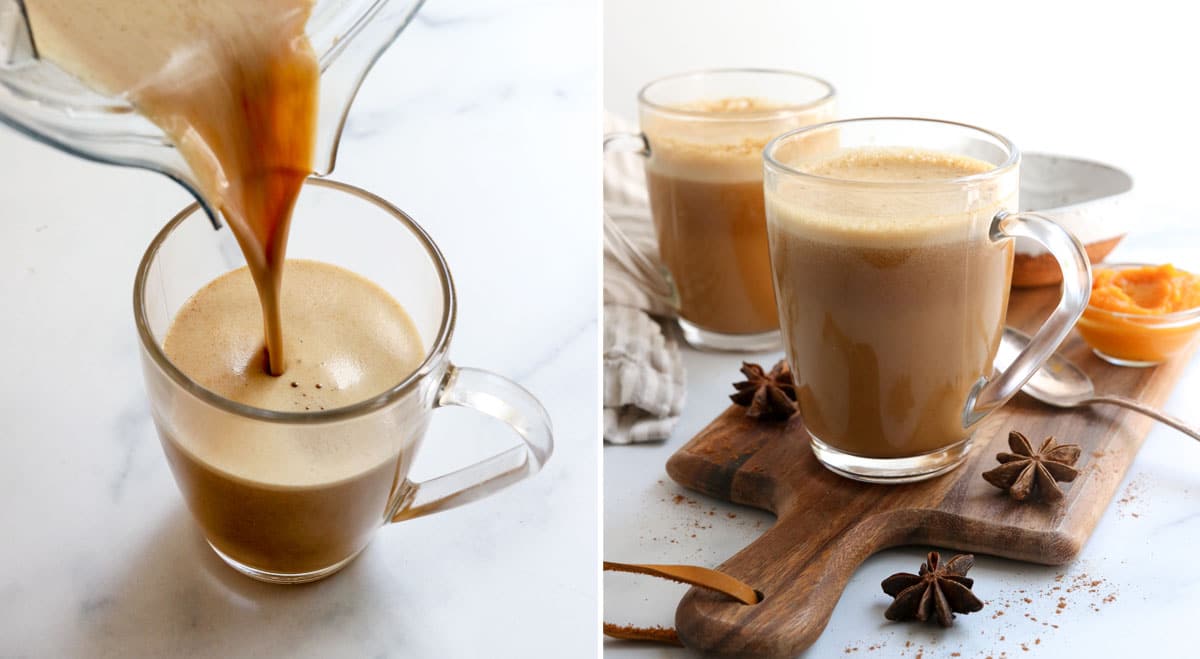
<point x="232" y="83"/>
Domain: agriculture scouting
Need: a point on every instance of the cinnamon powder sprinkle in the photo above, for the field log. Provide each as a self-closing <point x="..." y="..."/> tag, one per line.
<point x="1014" y="635"/>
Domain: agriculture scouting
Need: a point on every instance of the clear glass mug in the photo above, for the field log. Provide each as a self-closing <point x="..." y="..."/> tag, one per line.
<point x="892" y="293"/>
<point x="228" y="459"/>
<point x="704" y="178"/>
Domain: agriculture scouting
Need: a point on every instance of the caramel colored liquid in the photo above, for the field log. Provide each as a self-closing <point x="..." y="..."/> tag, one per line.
<point x="232" y="83"/>
<point x="891" y="308"/>
<point x="712" y="237"/>
<point x="282" y="529"/>
<point x="296" y="498"/>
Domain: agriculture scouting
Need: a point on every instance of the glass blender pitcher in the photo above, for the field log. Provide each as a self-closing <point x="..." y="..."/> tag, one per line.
<point x="46" y="103"/>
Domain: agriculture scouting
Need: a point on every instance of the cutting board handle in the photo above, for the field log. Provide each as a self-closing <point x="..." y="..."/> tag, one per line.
<point x="800" y="566"/>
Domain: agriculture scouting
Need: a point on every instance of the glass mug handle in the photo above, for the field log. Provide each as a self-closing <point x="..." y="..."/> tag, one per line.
<point x="654" y="280"/>
<point x="990" y="395"/>
<point x="498" y="398"/>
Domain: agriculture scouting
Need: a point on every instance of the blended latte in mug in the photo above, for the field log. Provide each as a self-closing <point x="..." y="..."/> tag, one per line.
<point x="234" y="86"/>
<point x="290" y="396"/>
<point x="704" y="177"/>
<point x="317" y="501"/>
<point x="892" y="306"/>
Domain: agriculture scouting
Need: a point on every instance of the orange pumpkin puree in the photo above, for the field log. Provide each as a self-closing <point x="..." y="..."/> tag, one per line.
<point x="1141" y="295"/>
<point x="1151" y="290"/>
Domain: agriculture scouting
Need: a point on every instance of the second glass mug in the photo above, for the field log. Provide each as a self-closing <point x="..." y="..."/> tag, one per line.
<point x="271" y="523"/>
<point x="892" y="250"/>
<point x="702" y="138"/>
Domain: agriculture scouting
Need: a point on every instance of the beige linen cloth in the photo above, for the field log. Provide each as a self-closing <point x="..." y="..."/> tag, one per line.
<point x="643" y="374"/>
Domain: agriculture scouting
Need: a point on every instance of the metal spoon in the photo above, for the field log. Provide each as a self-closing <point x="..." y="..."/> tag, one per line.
<point x="1061" y="384"/>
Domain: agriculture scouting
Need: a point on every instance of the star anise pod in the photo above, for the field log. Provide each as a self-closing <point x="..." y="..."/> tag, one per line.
<point x="1025" y="472"/>
<point x="766" y="395"/>
<point x="938" y="591"/>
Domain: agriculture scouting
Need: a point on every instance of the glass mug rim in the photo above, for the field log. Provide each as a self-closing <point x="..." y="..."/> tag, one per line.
<point x="700" y="115"/>
<point x="1010" y="163"/>
<point x="433" y="357"/>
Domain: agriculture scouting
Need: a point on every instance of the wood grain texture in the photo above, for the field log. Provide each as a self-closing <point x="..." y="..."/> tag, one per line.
<point x="827" y="525"/>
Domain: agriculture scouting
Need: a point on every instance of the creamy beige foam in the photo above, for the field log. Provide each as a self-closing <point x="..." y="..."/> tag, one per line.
<point x="896" y="164"/>
<point x="232" y="83"/>
<point x="348" y="340"/>
<point x="731" y="105"/>
<point x="724" y="145"/>
<point x="854" y="213"/>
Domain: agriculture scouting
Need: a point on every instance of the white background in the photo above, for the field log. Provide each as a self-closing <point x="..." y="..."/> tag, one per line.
<point x="489" y="143"/>
<point x="1106" y="81"/>
<point x="1110" y="81"/>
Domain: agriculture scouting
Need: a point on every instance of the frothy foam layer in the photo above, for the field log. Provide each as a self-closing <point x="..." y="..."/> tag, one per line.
<point x="893" y="164"/>
<point x="725" y="144"/>
<point x="348" y="340"/>
<point x="866" y="215"/>
<point x="731" y="105"/>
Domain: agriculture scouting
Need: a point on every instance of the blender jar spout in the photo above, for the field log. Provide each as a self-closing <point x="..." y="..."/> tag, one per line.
<point x="42" y="101"/>
<point x="349" y="42"/>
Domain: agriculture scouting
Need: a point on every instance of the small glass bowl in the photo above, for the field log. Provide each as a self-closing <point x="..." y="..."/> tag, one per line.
<point x="1137" y="340"/>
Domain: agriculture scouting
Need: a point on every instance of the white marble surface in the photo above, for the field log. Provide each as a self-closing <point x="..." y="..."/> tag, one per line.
<point x="487" y="142"/>
<point x="1142" y="551"/>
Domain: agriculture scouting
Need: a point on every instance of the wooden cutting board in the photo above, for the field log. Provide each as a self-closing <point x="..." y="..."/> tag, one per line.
<point x="827" y="525"/>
